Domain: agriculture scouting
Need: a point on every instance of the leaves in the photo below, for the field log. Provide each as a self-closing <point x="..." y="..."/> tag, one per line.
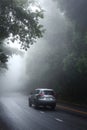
<point x="19" y="20"/>
<point x="19" y="23"/>
<point x="73" y="73"/>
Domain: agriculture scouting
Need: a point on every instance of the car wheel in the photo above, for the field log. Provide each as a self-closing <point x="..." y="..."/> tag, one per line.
<point x="30" y="104"/>
<point x="53" y="107"/>
<point x="36" y="105"/>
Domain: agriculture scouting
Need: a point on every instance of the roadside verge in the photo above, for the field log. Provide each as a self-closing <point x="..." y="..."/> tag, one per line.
<point x="74" y="109"/>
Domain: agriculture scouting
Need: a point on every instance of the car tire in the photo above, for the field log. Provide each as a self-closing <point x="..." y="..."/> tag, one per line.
<point x="53" y="107"/>
<point x="36" y="105"/>
<point x="30" y="104"/>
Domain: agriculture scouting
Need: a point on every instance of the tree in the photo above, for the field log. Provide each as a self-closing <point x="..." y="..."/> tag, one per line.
<point x="19" y="22"/>
<point x="75" y="11"/>
<point x="75" y="61"/>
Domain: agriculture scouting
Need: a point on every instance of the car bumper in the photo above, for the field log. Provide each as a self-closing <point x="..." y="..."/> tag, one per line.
<point x="48" y="103"/>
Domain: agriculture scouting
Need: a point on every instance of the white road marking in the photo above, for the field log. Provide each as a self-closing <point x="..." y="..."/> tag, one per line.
<point x="57" y="119"/>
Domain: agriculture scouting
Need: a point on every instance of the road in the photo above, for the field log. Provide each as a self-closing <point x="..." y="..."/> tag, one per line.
<point x="15" y="114"/>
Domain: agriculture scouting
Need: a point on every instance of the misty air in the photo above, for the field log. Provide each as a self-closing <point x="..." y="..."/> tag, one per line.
<point x="43" y="65"/>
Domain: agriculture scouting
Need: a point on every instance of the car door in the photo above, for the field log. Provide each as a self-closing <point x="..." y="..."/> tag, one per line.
<point x="35" y="97"/>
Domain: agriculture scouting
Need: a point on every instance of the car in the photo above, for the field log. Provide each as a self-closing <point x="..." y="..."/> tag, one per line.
<point x="42" y="97"/>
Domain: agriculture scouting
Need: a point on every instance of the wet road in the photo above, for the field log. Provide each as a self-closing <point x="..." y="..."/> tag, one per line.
<point x="15" y="114"/>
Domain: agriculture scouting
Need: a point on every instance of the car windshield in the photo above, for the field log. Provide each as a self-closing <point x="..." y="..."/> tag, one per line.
<point x="47" y="92"/>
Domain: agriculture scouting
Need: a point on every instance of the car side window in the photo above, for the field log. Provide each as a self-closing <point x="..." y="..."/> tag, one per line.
<point x="37" y="91"/>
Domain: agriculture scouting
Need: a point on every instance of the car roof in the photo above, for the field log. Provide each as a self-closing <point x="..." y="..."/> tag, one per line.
<point x="46" y="89"/>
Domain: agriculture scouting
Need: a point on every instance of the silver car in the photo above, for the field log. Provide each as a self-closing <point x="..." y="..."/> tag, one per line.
<point x="43" y="97"/>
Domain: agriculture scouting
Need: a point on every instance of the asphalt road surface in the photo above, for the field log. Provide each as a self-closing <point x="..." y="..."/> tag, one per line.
<point x="15" y="114"/>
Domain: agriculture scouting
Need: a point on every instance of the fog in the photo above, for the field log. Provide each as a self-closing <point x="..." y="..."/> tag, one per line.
<point x="25" y="71"/>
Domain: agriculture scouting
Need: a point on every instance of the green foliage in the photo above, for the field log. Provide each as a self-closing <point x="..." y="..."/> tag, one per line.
<point x="19" y="22"/>
<point x="75" y="11"/>
<point x="82" y="64"/>
<point x="69" y="62"/>
<point x="73" y="73"/>
<point x="3" y="59"/>
<point x="75" y="63"/>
